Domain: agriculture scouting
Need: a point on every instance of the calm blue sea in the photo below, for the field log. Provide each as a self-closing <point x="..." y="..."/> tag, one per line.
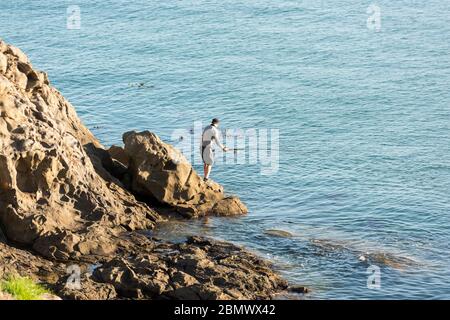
<point x="363" y="119"/>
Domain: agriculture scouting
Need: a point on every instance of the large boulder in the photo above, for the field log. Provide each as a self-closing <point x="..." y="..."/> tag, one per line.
<point x="160" y="171"/>
<point x="55" y="194"/>
<point x="199" y="269"/>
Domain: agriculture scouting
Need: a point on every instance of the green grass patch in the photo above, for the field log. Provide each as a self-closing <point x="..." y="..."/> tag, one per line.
<point x="22" y="288"/>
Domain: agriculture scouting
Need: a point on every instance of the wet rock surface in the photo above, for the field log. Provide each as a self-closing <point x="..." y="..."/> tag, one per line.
<point x="65" y="203"/>
<point x="197" y="269"/>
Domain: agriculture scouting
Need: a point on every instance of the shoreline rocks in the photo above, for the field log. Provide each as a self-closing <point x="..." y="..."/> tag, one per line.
<point x="200" y="268"/>
<point x="66" y="201"/>
<point x="55" y="196"/>
<point x="158" y="171"/>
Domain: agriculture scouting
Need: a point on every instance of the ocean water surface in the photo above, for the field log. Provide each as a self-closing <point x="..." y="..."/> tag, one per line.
<point x="363" y="119"/>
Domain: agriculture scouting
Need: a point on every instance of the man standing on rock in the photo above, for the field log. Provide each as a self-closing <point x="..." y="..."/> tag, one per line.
<point x="210" y="134"/>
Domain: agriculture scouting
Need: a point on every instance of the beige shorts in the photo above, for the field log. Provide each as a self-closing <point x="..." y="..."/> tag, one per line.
<point x="207" y="154"/>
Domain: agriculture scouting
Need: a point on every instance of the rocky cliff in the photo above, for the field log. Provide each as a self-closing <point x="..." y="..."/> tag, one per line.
<point x="64" y="200"/>
<point x="54" y="193"/>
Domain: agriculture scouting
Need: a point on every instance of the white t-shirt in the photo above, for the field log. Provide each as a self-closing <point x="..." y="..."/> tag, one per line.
<point x="210" y="134"/>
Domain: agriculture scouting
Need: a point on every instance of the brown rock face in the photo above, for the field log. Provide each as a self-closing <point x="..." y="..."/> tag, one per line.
<point x="54" y="193"/>
<point x="160" y="171"/>
<point x="59" y="197"/>
<point x="200" y="269"/>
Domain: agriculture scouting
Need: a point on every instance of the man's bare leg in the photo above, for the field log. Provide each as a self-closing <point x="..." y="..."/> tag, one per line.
<point x="207" y="170"/>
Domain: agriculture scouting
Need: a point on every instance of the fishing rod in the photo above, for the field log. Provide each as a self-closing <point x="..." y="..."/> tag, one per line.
<point x="243" y="149"/>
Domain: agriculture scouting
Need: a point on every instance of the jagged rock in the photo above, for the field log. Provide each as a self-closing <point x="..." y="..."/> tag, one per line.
<point x="48" y="296"/>
<point x="14" y="261"/>
<point x="52" y="274"/>
<point x="160" y="171"/>
<point x="389" y="260"/>
<point x="3" y="63"/>
<point x="278" y="233"/>
<point x="198" y="269"/>
<point x="58" y="198"/>
<point x="55" y="194"/>
<point x="3" y="46"/>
